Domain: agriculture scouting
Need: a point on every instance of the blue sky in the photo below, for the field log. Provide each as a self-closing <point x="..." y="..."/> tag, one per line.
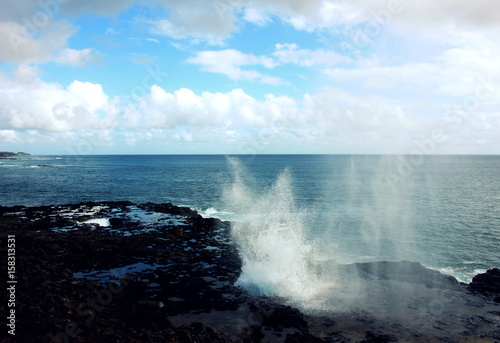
<point x="241" y="76"/>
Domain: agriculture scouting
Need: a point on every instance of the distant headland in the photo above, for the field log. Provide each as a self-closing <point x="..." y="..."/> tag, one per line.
<point x="9" y="154"/>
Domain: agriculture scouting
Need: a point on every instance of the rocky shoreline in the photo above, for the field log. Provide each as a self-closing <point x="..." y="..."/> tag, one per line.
<point x="124" y="272"/>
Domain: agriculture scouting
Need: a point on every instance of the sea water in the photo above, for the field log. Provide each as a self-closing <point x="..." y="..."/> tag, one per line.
<point x="291" y="210"/>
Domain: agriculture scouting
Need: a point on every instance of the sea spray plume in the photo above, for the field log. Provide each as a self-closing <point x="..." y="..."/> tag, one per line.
<point x="364" y="219"/>
<point x="370" y="219"/>
<point x="270" y="237"/>
<point x="388" y="220"/>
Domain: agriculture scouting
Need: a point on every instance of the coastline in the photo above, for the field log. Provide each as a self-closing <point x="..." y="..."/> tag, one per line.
<point x="118" y="271"/>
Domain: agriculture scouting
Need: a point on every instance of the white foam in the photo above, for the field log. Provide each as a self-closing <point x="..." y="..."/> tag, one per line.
<point x="104" y="222"/>
<point x="149" y="218"/>
<point x="211" y="211"/>
<point x="271" y="239"/>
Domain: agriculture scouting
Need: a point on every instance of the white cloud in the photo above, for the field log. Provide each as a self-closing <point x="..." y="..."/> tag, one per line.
<point x="77" y="58"/>
<point x="317" y="14"/>
<point x="48" y="106"/>
<point x="455" y="72"/>
<point x="105" y="8"/>
<point x="363" y="22"/>
<point x="421" y="14"/>
<point x="326" y="120"/>
<point x="161" y="109"/>
<point x="291" y="53"/>
<point x="26" y="73"/>
<point x="33" y="31"/>
<point x="195" y="19"/>
<point x="19" y="45"/>
<point x="140" y="40"/>
<point x="233" y="61"/>
<point x="332" y="120"/>
<point x="9" y="136"/>
<point x="256" y="17"/>
<point x="215" y="21"/>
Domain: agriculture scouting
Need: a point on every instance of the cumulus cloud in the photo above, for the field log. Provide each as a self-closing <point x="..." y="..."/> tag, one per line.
<point x="26" y="73"/>
<point x="331" y="116"/>
<point x="211" y="21"/>
<point x="326" y="120"/>
<point x="161" y="109"/>
<point x="215" y="21"/>
<point x="30" y="103"/>
<point x="106" y="8"/>
<point x="26" y="42"/>
<point x="320" y="14"/>
<point x="35" y="31"/>
<point x="455" y="72"/>
<point x="331" y="120"/>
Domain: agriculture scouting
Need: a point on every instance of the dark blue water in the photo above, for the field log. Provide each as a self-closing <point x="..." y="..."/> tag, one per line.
<point x="443" y="211"/>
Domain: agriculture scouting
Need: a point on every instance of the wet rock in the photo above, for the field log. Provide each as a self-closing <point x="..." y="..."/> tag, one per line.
<point x="493" y="335"/>
<point x="158" y="263"/>
<point x="487" y="283"/>
<point x="303" y="337"/>
<point x="406" y="271"/>
<point x="131" y="275"/>
<point x="117" y="222"/>
<point x="282" y="316"/>
<point x="375" y="337"/>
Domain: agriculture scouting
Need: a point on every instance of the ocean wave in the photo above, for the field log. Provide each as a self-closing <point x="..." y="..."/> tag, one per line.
<point x="462" y="274"/>
<point x="212" y="212"/>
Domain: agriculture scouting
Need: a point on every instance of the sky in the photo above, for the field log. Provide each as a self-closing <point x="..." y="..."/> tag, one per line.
<point x="250" y="77"/>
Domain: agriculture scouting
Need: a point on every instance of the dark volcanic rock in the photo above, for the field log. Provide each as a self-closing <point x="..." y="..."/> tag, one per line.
<point x="122" y="272"/>
<point x="303" y="337"/>
<point x="372" y="337"/>
<point x="487" y="283"/>
<point x="279" y="317"/>
<point x="121" y="282"/>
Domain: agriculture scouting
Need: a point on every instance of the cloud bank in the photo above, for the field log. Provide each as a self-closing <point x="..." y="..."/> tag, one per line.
<point x="440" y="82"/>
<point x="331" y="121"/>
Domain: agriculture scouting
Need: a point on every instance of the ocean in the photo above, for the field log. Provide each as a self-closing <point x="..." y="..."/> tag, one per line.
<point x="441" y="211"/>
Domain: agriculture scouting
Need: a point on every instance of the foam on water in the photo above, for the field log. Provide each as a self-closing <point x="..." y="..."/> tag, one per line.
<point x="104" y="222"/>
<point x="213" y="212"/>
